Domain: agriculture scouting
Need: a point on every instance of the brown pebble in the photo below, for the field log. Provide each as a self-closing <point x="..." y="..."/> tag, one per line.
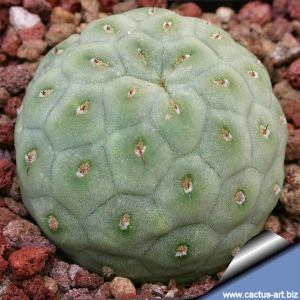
<point x="273" y="224"/>
<point x="32" y="50"/>
<point x="58" y="32"/>
<point x="50" y="284"/>
<point x="27" y="262"/>
<point x="61" y="16"/>
<point x="120" y="286"/>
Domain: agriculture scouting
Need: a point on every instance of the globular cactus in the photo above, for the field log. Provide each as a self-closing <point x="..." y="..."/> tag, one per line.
<point x="151" y="146"/>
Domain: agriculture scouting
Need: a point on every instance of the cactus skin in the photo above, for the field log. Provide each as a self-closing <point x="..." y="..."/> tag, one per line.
<point x="150" y="145"/>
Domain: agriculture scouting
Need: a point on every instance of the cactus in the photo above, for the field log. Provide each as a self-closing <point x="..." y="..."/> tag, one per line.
<point x="150" y="146"/>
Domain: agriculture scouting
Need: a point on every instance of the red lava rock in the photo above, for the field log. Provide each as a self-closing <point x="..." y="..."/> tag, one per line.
<point x="3" y="58"/>
<point x="291" y="191"/>
<point x="279" y="8"/>
<point x="17" y="231"/>
<point x="36" y="241"/>
<point x="11" y="42"/>
<point x="3" y="18"/>
<point x="40" y="7"/>
<point x="16" y="207"/>
<point x="106" y="5"/>
<point x="14" y="78"/>
<point x="26" y="262"/>
<point x="149" y="3"/>
<point x="154" y="289"/>
<point x="124" y="6"/>
<point x="249" y="36"/>
<point x="294" y="9"/>
<point x="59" y="272"/>
<point x="14" y="293"/>
<point x="6" y="216"/>
<point x="199" y="288"/>
<point x="291" y="109"/>
<point x="4" y="96"/>
<point x="7" y="169"/>
<point x="278" y="28"/>
<point x="104" y="291"/>
<point x="78" y="294"/>
<point x="36" y="289"/>
<point x="3" y="264"/>
<point x="290" y="127"/>
<point x="189" y="9"/>
<point x="10" y="108"/>
<point x="287" y="236"/>
<point x="293" y="74"/>
<point x="85" y="279"/>
<point x="14" y="190"/>
<point x="255" y="12"/>
<point x="3" y="243"/>
<point x="293" y="146"/>
<point x="286" y="50"/>
<point x="284" y="91"/>
<point x="131" y="296"/>
<point x="7" y="141"/>
<point x="35" y="32"/>
<point x="72" y="5"/>
<point x="11" y="2"/>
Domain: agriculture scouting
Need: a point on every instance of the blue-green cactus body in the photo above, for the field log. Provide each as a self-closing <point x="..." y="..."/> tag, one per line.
<point x="150" y="145"/>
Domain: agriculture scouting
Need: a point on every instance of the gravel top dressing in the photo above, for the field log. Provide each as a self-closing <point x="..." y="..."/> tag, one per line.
<point x="31" y="266"/>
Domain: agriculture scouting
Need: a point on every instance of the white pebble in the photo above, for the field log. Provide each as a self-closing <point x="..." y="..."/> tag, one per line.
<point x="20" y="18"/>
